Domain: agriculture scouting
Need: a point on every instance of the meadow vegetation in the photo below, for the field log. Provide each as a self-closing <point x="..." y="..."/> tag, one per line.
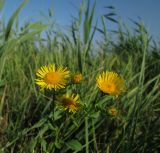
<point x="30" y="120"/>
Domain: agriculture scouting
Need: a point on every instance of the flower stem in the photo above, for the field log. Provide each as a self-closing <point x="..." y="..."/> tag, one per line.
<point x="86" y="134"/>
<point x="53" y="100"/>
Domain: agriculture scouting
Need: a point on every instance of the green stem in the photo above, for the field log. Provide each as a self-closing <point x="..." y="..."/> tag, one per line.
<point x="94" y="136"/>
<point x="53" y="101"/>
<point x="86" y="134"/>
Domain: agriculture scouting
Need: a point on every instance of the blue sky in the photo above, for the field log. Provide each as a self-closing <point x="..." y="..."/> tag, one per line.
<point x="148" y="10"/>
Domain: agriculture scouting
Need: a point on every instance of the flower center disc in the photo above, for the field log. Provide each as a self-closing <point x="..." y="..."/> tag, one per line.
<point x="69" y="104"/>
<point x="113" y="111"/>
<point x="52" y="78"/>
<point x="110" y="88"/>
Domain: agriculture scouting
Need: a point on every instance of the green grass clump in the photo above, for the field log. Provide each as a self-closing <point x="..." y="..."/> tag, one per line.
<point x="29" y="120"/>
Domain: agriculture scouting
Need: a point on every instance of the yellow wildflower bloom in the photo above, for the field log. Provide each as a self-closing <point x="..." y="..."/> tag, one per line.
<point x="50" y="77"/>
<point x="69" y="102"/>
<point x="111" y="83"/>
<point x="112" y="111"/>
<point x="77" y="78"/>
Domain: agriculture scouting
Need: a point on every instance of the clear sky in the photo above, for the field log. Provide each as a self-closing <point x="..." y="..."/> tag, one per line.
<point x="148" y="10"/>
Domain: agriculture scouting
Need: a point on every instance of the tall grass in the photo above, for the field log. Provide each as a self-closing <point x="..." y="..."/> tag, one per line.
<point x="28" y="121"/>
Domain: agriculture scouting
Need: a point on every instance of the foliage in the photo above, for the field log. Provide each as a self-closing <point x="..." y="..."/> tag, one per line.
<point x="30" y="122"/>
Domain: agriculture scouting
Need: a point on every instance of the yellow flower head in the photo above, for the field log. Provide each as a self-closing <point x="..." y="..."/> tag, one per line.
<point x="111" y="83"/>
<point x="77" y="78"/>
<point x="50" y="77"/>
<point x="112" y="111"/>
<point x="69" y="102"/>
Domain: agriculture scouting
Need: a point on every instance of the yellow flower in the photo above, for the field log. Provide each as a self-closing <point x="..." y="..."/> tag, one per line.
<point x="77" y="78"/>
<point x="69" y="102"/>
<point x="112" y="111"/>
<point x="111" y="83"/>
<point x="50" y="77"/>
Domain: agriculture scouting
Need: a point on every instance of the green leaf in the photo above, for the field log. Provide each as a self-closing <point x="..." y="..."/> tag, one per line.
<point x="74" y="145"/>
<point x="42" y="131"/>
<point x="2" y="83"/>
<point x="29" y="36"/>
<point x="95" y="114"/>
<point x="2" y="2"/>
<point x="111" y="19"/>
<point x="57" y="115"/>
<point x="43" y="144"/>
<point x="38" y="26"/>
<point x="58" y="144"/>
<point x="31" y="145"/>
<point x="12" y="19"/>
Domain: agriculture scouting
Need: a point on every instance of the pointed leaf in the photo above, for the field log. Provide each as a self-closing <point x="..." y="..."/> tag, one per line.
<point x="12" y="19"/>
<point x="74" y="145"/>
